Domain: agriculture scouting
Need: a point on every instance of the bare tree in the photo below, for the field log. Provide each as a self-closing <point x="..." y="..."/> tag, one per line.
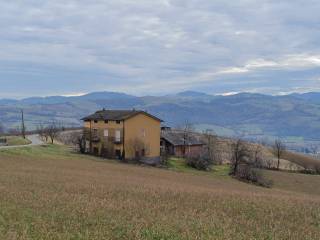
<point x="243" y="164"/>
<point x="187" y="130"/>
<point x="23" y="126"/>
<point x="240" y="154"/>
<point x="211" y="147"/>
<point x="52" y="131"/>
<point x="279" y="149"/>
<point x="43" y="132"/>
<point x="79" y="140"/>
<point x="257" y="155"/>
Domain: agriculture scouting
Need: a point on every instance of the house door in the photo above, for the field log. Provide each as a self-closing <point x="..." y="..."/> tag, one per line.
<point x="137" y="154"/>
<point x="143" y="153"/>
<point x="118" y="154"/>
<point x="96" y="151"/>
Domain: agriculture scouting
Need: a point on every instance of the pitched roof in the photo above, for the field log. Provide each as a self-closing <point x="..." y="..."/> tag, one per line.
<point x="114" y="115"/>
<point x="178" y="138"/>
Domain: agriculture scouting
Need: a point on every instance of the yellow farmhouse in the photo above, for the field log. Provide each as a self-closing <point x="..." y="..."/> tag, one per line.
<point x="123" y="134"/>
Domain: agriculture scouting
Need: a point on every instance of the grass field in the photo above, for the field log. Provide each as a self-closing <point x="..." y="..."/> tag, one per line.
<point x="48" y="192"/>
<point x="15" y="141"/>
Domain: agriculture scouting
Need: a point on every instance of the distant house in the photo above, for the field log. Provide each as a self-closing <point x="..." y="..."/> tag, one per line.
<point x="123" y="134"/>
<point x="179" y="143"/>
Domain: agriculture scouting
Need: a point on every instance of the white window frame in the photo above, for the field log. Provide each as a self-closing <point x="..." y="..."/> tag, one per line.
<point x="106" y="132"/>
<point x="118" y="135"/>
<point x="143" y="132"/>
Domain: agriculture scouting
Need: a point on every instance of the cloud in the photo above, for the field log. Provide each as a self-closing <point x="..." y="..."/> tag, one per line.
<point x="143" y="47"/>
<point x="300" y="61"/>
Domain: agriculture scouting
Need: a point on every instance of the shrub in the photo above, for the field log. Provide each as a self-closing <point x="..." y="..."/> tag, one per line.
<point x="164" y="159"/>
<point x="201" y="162"/>
<point x="249" y="174"/>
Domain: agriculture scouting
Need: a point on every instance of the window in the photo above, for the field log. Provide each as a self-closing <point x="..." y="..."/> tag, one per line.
<point x="118" y="121"/>
<point x="118" y="136"/>
<point x="143" y="132"/>
<point x="106" y="133"/>
<point x="106" y="121"/>
<point x="95" y="131"/>
<point x="95" y="121"/>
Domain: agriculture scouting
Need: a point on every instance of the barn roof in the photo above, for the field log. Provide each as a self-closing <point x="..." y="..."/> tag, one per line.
<point x="114" y="115"/>
<point x="179" y="138"/>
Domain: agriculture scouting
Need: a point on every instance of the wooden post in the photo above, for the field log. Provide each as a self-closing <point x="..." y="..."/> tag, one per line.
<point x="23" y="127"/>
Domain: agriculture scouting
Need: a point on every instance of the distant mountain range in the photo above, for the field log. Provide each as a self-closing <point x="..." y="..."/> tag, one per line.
<point x="295" y="116"/>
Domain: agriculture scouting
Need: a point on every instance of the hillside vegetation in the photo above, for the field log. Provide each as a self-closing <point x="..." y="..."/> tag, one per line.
<point x="48" y="192"/>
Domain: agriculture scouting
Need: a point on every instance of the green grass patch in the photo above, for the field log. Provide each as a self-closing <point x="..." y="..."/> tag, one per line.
<point x="16" y="141"/>
<point x="39" y="151"/>
<point x="49" y="151"/>
<point x="179" y="164"/>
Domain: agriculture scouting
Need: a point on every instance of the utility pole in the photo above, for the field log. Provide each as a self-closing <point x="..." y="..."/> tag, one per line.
<point x="23" y="127"/>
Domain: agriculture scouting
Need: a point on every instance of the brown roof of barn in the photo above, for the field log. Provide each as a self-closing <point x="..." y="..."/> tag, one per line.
<point x="177" y="138"/>
<point x="114" y="115"/>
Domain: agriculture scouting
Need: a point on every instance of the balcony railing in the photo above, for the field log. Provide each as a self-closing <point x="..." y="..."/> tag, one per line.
<point x="98" y="136"/>
<point x="114" y="140"/>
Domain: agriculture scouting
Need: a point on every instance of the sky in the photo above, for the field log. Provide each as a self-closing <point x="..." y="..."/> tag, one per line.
<point x="146" y="47"/>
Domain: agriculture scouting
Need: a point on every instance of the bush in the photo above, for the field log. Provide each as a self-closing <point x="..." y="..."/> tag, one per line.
<point x="309" y="171"/>
<point x="164" y="159"/>
<point x="249" y="174"/>
<point x="201" y="162"/>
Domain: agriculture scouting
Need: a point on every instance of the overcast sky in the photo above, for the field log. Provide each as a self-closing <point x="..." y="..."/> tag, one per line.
<point x="147" y="47"/>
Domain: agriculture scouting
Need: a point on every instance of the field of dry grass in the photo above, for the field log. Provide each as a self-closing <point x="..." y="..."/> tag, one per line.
<point x="51" y="193"/>
<point x="302" y="160"/>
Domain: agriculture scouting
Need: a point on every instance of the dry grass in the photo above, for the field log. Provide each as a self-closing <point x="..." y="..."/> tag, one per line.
<point x="303" y="183"/>
<point x="50" y="193"/>
<point x="305" y="161"/>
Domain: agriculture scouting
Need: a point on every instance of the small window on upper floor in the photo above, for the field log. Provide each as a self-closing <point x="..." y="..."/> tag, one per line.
<point x="118" y="121"/>
<point x="106" y="133"/>
<point x="95" y="121"/>
<point x="106" y="121"/>
<point x="143" y="132"/>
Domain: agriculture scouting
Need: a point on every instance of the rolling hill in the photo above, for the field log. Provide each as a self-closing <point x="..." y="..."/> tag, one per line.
<point x="294" y="117"/>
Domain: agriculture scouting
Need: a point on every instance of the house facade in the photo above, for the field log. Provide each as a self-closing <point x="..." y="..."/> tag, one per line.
<point x="123" y="134"/>
<point x="181" y="144"/>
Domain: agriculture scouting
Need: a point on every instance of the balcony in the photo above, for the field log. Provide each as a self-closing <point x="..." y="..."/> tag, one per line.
<point x="91" y="135"/>
<point x="117" y="141"/>
<point x="96" y="136"/>
<point x="114" y="140"/>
